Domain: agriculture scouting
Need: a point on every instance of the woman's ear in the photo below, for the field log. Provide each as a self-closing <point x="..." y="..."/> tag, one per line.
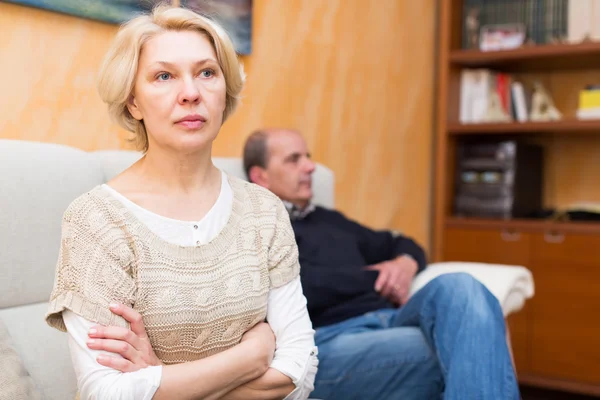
<point x="133" y="108"/>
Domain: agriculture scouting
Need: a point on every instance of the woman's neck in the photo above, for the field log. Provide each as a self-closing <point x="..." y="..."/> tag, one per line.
<point x="179" y="173"/>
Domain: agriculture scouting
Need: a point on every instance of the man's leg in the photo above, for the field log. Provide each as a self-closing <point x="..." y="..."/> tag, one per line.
<point x="463" y="322"/>
<point x="363" y="359"/>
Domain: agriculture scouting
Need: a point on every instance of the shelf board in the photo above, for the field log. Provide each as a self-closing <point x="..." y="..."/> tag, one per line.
<point x="532" y="58"/>
<point x="530" y="225"/>
<point x="564" y="126"/>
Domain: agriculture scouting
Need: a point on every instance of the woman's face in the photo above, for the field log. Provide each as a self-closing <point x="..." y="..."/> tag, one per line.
<point x="179" y="91"/>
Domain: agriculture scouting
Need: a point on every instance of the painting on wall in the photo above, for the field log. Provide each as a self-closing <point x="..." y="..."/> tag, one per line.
<point x="234" y="15"/>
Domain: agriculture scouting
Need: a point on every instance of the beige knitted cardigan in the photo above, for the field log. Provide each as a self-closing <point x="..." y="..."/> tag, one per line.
<point x="195" y="301"/>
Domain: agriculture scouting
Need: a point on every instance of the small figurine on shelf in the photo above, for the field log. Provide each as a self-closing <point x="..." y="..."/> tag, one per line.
<point x="495" y="111"/>
<point x="472" y="24"/>
<point x="542" y="106"/>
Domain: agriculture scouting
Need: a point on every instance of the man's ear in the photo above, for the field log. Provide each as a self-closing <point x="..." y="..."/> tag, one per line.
<point x="133" y="108"/>
<point x="259" y="176"/>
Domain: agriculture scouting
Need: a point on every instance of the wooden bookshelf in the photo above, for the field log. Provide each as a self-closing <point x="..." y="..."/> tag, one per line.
<point x="531" y="58"/>
<point x="560" y="127"/>
<point x="525" y="225"/>
<point x="555" y="337"/>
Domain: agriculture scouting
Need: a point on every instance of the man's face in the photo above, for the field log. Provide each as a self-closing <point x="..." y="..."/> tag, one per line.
<point x="289" y="168"/>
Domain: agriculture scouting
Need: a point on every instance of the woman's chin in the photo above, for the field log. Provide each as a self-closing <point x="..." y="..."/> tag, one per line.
<point x="192" y="142"/>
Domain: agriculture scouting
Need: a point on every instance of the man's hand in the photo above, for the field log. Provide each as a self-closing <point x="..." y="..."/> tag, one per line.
<point x="132" y="344"/>
<point x="395" y="278"/>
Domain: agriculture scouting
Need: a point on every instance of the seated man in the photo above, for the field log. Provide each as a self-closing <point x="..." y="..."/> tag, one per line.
<point x="374" y="342"/>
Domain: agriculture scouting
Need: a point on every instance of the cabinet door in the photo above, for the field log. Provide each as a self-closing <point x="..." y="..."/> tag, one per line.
<point x="498" y="247"/>
<point x="566" y="307"/>
<point x="490" y="246"/>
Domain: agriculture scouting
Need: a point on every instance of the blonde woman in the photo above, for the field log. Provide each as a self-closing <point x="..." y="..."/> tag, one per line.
<point x="166" y="273"/>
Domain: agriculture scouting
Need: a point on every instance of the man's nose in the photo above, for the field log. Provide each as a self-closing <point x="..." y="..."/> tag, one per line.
<point x="309" y="165"/>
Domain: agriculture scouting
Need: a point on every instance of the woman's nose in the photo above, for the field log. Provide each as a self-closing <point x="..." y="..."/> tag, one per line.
<point x="189" y="92"/>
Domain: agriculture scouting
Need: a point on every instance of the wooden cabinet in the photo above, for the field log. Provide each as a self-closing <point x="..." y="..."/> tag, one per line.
<point x="503" y="246"/>
<point x="499" y="247"/>
<point x="556" y="336"/>
<point x="565" y="336"/>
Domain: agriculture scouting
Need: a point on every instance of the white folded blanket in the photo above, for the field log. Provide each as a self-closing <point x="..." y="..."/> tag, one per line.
<point x="511" y="284"/>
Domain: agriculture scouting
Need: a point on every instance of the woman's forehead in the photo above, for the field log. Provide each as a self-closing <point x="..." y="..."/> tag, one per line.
<point x="177" y="47"/>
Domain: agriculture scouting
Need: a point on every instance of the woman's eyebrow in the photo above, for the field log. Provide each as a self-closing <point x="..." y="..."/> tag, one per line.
<point x="196" y="63"/>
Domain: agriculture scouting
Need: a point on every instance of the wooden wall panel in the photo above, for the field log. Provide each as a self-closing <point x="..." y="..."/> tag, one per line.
<point x="50" y="62"/>
<point x="356" y="77"/>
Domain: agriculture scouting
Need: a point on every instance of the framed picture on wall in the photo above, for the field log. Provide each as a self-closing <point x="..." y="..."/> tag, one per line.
<point x="234" y="15"/>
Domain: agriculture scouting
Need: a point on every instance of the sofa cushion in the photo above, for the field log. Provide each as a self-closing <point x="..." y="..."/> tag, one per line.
<point x="39" y="180"/>
<point x="15" y="381"/>
<point x="44" y="351"/>
<point x="115" y="161"/>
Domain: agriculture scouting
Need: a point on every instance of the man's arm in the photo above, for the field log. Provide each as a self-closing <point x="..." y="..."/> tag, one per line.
<point x="403" y="245"/>
<point x="378" y="246"/>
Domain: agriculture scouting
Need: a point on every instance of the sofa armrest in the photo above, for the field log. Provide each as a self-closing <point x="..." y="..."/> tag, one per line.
<point x="512" y="285"/>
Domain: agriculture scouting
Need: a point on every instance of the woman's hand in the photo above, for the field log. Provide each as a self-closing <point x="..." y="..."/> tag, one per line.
<point x="132" y="344"/>
<point x="262" y="339"/>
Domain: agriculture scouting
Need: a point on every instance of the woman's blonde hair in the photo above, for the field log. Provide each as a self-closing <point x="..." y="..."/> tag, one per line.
<point x="117" y="74"/>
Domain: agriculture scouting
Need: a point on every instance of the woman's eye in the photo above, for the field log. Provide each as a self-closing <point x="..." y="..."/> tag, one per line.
<point x="164" y="76"/>
<point x="207" y="73"/>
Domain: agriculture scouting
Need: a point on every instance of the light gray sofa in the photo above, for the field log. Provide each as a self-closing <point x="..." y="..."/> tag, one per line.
<point x="38" y="181"/>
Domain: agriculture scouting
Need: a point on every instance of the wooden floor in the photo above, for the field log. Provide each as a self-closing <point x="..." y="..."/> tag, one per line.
<point x="529" y="393"/>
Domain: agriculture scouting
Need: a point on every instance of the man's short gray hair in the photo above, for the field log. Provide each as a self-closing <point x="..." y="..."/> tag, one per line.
<point x="256" y="151"/>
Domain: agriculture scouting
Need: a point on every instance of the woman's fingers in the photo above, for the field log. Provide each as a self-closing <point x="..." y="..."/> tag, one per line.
<point x="114" y="346"/>
<point x="115" y="333"/>
<point x="120" y="364"/>
<point x="133" y="317"/>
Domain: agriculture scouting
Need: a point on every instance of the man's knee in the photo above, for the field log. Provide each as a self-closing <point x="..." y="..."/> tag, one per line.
<point x="457" y="282"/>
<point x="463" y="290"/>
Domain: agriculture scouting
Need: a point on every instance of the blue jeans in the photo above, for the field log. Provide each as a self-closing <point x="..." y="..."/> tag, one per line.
<point x="448" y="341"/>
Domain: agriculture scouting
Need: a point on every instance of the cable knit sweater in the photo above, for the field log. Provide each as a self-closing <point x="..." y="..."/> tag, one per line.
<point x="195" y="301"/>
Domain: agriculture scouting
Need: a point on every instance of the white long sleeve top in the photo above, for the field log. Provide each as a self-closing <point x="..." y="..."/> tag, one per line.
<point x="295" y="354"/>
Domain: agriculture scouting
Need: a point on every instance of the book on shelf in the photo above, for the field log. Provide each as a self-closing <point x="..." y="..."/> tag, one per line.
<point x="589" y="103"/>
<point x="545" y="21"/>
<point x="490" y="96"/>
<point x="583" y="21"/>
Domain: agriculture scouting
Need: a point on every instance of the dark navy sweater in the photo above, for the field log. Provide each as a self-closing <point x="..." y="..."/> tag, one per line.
<point x="334" y="252"/>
